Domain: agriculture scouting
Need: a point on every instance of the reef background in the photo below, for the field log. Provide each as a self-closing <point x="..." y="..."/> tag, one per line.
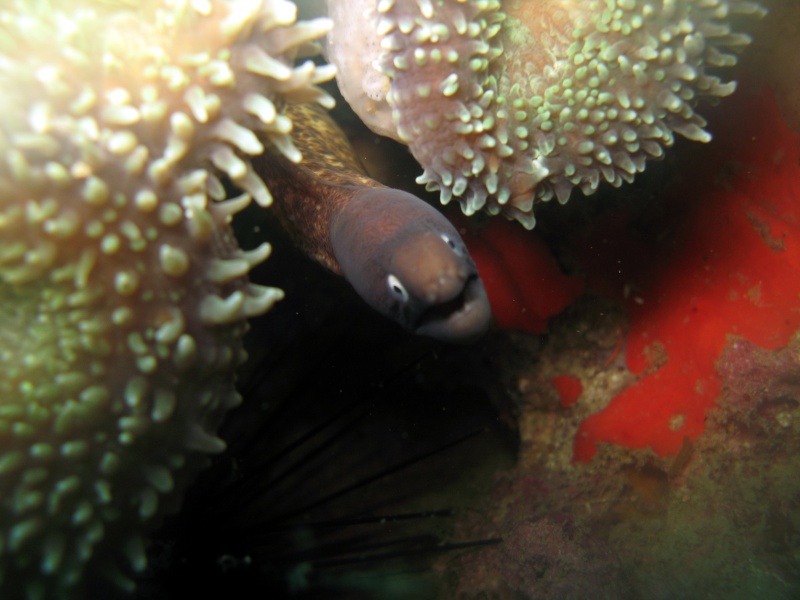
<point x="718" y="518"/>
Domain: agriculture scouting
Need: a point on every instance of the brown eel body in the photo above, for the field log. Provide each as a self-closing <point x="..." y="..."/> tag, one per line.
<point x="402" y="256"/>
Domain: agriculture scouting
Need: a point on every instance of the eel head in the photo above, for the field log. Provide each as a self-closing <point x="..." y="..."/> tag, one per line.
<point x="408" y="262"/>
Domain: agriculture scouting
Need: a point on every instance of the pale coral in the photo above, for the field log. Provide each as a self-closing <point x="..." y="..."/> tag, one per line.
<point x="124" y="295"/>
<point x="508" y="104"/>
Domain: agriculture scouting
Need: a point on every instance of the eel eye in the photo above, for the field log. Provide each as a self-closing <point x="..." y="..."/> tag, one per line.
<point x="449" y="241"/>
<point x="397" y="289"/>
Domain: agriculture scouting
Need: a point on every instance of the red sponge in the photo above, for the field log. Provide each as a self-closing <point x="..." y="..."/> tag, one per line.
<point x="523" y="280"/>
<point x="569" y="389"/>
<point x="723" y="260"/>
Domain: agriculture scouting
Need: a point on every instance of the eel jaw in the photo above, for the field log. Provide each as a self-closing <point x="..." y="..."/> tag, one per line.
<point x="463" y="315"/>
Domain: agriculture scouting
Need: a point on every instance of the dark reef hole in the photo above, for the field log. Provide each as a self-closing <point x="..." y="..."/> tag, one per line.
<point x="355" y="449"/>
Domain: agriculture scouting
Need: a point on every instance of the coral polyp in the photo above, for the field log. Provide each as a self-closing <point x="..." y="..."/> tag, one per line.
<point x="124" y="295"/>
<point x="507" y="104"/>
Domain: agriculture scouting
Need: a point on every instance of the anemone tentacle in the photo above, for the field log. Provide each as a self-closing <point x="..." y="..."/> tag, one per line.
<point x="124" y="295"/>
<point x="506" y="104"/>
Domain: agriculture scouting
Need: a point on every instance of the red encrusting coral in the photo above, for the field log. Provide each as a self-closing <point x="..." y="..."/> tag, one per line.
<point x="523" y="280"/>
<point x="569" y="389"/>
<point x="722" y="260"/>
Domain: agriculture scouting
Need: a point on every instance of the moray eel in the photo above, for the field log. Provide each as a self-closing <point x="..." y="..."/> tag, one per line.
<point x="403" y="257"/>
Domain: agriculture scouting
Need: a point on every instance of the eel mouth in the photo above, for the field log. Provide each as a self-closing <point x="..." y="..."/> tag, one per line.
<point x="462" y="318"/>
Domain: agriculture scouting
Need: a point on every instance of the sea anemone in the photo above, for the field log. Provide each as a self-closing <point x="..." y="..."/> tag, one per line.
<point x="124" y="294"/>
<point x="504" y="106"/>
